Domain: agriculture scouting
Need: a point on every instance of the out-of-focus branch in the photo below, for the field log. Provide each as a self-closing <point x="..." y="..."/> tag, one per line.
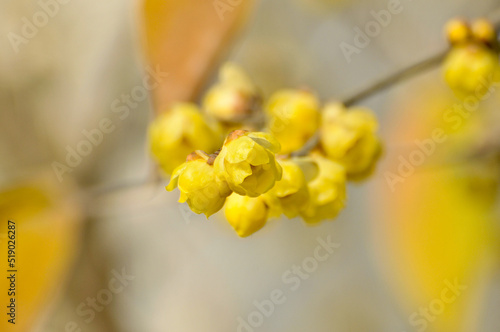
<point x="395" y="78"/>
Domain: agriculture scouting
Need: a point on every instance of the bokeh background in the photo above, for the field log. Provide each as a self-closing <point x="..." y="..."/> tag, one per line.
<point x="398" y="248"/>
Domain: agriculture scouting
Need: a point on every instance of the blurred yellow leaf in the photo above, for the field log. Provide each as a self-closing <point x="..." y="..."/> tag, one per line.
<point x="46" y="241"/>
<point x="434" y="228"/>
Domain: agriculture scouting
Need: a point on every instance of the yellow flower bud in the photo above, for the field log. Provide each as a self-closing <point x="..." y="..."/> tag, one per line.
<point x="178" y="132"/>
<point x="327" y="191"/>
<point x="470" y="69"/>
<point x="246" y="214"/>
<point x="290" y="195"/>
<point x="457" y="31"/>
<point x="293" y="118"/>
<point x="247" y="162"/>
<point x="199" y="186"/>
<point x="234" y="98"/>
<point x="349" y="137"/>
<point x="484" y="31"/>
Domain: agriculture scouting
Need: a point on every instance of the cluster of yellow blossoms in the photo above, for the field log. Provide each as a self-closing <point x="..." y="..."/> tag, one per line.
<point x="472" y="64"/>
<point x="290" y="156"/>
<point x="258" y="175"/>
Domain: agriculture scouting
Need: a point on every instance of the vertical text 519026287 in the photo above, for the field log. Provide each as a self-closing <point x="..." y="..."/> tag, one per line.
<point x="11" y="271"/>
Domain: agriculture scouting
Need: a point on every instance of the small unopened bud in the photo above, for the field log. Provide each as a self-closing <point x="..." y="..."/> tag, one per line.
<point x="484" y="31"/>
<point x="246" y="214"/>
<point x="177" y="132"/>
<point x="234" y="98"/>
<point x="457" y="31"/>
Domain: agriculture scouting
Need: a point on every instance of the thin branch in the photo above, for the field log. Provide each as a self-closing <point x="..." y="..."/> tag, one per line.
<point x="395" y="78"/>
<point x="385" y="83"/>
<point x="411" y="71"/>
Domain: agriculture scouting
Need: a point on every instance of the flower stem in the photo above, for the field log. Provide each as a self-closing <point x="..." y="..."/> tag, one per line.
<point x="356" y="98"/>
<point x="395" y="78"/>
